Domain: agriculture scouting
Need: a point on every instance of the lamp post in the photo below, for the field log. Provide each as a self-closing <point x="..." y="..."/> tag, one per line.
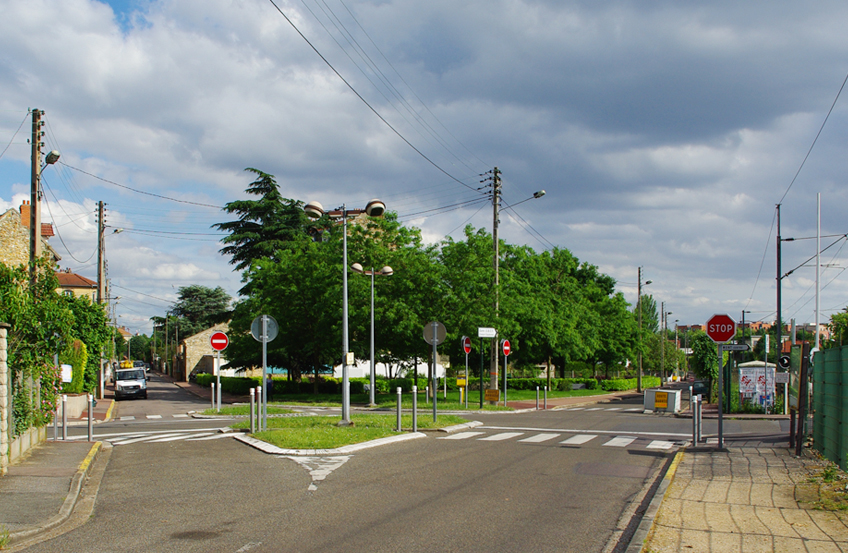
<point x="639" y="308"/>
<point x="374" y="208"/>
<point x="663" y="331"/>
<point x="744" y="340"/>
<point x="385" y="271"/>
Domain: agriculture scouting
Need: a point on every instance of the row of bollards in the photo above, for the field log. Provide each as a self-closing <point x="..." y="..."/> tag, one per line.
<point x="256" y="410"/>
<point x="546" y="398"/>
<point x="90" y="399"/>
<point x="696" y="404"/>
<point x="414" y="409"/>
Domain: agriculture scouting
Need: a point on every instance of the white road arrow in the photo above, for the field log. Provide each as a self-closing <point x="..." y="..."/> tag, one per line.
<point x="320" y="467"/>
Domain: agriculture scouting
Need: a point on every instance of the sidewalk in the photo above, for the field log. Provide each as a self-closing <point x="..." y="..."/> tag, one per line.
<point x="746" y="499"/>
<point x="561" y="402"/>
<point x="40" y="491"/>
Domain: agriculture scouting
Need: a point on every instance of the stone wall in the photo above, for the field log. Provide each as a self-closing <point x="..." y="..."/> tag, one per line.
<point x="14" y="238"/>
<point x="4" y="400"/>
<point x="198" y="351"/>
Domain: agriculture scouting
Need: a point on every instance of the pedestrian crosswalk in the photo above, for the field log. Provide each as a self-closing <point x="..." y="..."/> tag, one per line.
<point x="622" y="409"/>
<point x="152" y="417"/>
<point x="162" y="436"/>
<point x="578" y="439"/>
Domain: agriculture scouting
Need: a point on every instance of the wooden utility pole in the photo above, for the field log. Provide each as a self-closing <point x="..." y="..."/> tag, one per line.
<point x="496" y="207"/>
<point x="35" y="193"/>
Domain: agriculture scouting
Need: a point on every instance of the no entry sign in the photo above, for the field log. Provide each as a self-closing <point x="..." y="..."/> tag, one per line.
<point x="219" y="341"/>
<point x="506" y="348"/>
<point x="721" y="328"/>
<point x="466" y="344"/>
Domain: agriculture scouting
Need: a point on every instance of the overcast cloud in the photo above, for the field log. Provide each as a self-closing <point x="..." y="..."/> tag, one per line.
<point x="663" y="132"/>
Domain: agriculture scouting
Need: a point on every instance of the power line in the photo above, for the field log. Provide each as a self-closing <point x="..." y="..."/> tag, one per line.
<point x="14" y="135"/>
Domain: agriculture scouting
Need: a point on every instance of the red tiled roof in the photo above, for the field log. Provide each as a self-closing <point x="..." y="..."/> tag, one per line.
<point x="73" y="280"/>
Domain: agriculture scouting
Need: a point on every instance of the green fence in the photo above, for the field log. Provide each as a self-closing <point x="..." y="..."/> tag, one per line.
<point x="830" y="404"/>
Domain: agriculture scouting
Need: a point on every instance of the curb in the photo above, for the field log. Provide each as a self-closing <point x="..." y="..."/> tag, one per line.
<point x="270" y="449"/>
<point x="646" y="526"/>
<point x="70" y="501"/>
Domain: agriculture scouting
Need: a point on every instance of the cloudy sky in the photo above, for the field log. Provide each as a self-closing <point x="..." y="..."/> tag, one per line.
<point x="664" y="132"/>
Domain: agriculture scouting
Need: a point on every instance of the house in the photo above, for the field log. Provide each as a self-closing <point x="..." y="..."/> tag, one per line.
<point x="14" y="237"/>
<point x="197" y="356"/>
<point x="72" y="284"/>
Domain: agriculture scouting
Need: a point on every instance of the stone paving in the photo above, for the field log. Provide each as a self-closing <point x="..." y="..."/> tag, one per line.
<point x="746" y="499"/>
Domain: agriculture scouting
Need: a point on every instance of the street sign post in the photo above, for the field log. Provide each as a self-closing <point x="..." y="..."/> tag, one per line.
<point x="434" y="333"/>
<point x="484" y="332"/>
<point x="466" y="346"/>
<point x="264" y="329"/>
<point x="219" y="342"/>
<point x="720" y="329"/>
<point x="506" y="350"/>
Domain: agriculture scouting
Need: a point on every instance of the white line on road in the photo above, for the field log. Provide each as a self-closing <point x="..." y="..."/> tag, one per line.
<point x="660" y="444"/>
<point x="154" y="416"/>
<point x="621" y="441"/>
<point x="501" y="436"/>
<point x="127" y="418"/>
<point x="215" y="437"/>
<point x="583" y="430"/>
<point x="595" y="409"/>
<point x="461" y="436"/>
<point x="134" y="440"/>
<point x="180" y="437"/>
<point x="579" y="439"/>
<point x="544" y="437"/>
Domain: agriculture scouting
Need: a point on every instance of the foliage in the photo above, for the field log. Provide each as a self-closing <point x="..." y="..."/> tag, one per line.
<point x="75" y="354"/>
<point x="91" y="326"/>
<point x="838" y="327"/>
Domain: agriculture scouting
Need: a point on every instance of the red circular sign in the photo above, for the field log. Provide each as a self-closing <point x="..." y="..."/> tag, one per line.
<point x="466" y="344"/>
<point x="721" y="328"/>
<point x="506" y="348"/>
<point x="219" y="341"/>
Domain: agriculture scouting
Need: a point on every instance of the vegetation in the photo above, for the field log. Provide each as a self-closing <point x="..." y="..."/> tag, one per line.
<point x="324" y="432"/>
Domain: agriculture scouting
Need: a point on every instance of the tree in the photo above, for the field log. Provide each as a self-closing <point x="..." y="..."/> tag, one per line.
<point x="265" y="226"/>
<point x="200" y="307"/>
<point x="838" y="327"/>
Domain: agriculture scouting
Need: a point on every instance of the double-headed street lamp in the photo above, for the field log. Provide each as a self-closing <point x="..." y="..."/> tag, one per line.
<point x="385" y="271"/>
<point x="374" y="208"/>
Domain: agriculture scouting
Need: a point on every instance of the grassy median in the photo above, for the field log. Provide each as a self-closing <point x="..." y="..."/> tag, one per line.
<point x="236" y="410"/>
<point x="325" y="433"/>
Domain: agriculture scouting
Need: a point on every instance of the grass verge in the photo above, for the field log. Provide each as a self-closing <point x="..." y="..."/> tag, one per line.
<point x="324" y="432"/>
<point x="231" y="410"/>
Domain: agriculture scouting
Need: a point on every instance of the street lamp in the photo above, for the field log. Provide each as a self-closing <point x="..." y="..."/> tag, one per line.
<point x="385" y="271"/>
<point x="314" y="210"/>
<point x="663" y="332"/>
<point x="639" y="308"/>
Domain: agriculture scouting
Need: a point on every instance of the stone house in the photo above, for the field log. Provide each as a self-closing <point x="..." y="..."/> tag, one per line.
<point x="14" y="237"/>
<point x="72" y="284"/>
<point x="197" y="355"/>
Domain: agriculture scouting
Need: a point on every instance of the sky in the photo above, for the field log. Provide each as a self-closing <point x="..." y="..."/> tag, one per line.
<point x="664" y="133"/>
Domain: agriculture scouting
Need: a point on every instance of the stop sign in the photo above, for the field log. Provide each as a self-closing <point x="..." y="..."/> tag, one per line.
<point x="721" y="328"/>
<point x="506" y="347"/>
<point x="466" y="344"/>
<point x="219" y="341"/>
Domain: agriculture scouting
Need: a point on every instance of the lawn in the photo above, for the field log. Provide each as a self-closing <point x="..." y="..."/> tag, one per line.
<point x="236" y="410"/>
<point x="325" y="433"/>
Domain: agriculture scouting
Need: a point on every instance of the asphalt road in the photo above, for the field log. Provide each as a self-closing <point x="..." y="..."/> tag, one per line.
<point x="509" y="485"/>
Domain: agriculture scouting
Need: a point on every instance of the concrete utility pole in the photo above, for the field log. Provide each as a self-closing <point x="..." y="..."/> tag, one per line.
<point x="639" y="307"/>
<point x="101" y="259"/>
<point x="35" y="193"/>
<point x="496" y="207"/>
<point x="779" y="330"/>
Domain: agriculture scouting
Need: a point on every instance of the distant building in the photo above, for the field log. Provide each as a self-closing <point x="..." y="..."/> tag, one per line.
<point x="72" y="284"/>
<point x="14" y="237"/>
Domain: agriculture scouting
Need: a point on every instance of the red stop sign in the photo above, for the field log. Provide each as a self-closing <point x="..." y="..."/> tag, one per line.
<point x="721" y="328"/>
<point x="466" y="344"/>
<point x="219" y="341"/>
<point x="506" y="347"/>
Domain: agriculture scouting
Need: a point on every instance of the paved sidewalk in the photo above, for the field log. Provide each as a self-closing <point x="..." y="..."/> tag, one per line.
<point x="40" y="491"/>
<point x="745" y="499"/>
<point x="561" y="402"/>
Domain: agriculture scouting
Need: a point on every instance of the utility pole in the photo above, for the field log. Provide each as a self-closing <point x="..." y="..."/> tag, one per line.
<point x="639" y="307"/>
<point x="779" y="281"/>
<point x="101" y="258"/>
<point x="662" y="342"/>
<point x="35" y="193"/>
<point x="496" y="207"/>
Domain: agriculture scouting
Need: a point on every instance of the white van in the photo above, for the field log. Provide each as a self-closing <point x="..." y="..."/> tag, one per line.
<point x="130" y="382"/>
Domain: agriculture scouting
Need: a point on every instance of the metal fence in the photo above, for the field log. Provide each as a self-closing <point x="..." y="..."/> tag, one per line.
<point x="830" y="404"/>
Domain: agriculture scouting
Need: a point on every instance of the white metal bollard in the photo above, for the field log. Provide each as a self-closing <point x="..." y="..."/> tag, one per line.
<point x="252" y="410"/>
<point x="415" y="408"/>
<point x="90" y="418"/>
<point x="64" y="417"/>
<point x="399" y="401"/>
<point x="546" y="398"/>
<point x="212" y="388"/>
<point x="259" y="404"/>
<point x="537" y="398"/>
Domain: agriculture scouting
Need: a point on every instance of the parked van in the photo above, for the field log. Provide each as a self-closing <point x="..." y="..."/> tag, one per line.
<point x="130" y="382"/>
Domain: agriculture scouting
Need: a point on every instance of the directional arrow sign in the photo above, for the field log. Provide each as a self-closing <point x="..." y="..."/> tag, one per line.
<point x="735" y="347"/>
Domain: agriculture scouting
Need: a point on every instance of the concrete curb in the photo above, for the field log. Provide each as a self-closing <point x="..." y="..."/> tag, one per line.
<point x="646" y="526"/>
<point x="270" y="449"/>
<point x="70" y="501"/>
<point x="458" y="427"/>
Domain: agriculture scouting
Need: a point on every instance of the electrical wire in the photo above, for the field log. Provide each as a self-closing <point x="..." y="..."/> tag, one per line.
<point x="364" y="101"/>
<point x="59" y="234"/>
<point x="14" y="135"/>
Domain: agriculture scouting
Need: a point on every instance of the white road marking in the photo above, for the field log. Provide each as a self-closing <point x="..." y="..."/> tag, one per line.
<point x="215" y="437"/>
<point x="180" y="437"/>
<point x="595" y="409"/>
<point x="183" y="416"/>
<point x="660" y="444"/>
<point x="621" y="441"/>
<point x="154" y="416"/>
<point x="143" y="438"/>
<point x="461" y="436"/>
<point x="634" y="409"/>
<point x="576" y="409"/>
<point x="320" y="467"/>
<point x="657" y="435"/>
<point x="579" y="439"/>
<point x="127" y="418"/>
<point x="544" y="437"/>
<point x="502" y="436"/>
<point x="613" y="409"/>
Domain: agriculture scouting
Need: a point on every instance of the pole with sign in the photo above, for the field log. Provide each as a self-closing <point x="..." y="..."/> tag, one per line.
<point x="506" y="350"/>
<point x="434" y="333"/>
<point x="219" y="342"/>
<point x="466" y="346"/>
<point x="484" y="332"/>
<point x="720" y="329"/>
<point x="264" y="329"/>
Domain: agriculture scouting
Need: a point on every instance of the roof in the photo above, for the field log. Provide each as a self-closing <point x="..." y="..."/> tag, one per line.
<point x="67" y="279"/>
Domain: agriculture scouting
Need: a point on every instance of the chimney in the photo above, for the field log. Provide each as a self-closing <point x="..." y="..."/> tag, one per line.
<point x="25" y="209"/>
